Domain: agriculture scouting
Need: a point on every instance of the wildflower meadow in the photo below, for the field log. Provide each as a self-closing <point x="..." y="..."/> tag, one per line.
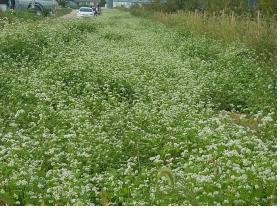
<point x="123" y="110"/>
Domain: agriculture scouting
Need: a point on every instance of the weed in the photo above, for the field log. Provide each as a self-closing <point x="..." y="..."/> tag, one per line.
<point x="167" y="173"/>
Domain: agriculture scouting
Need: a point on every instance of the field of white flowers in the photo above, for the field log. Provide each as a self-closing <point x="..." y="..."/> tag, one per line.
<point x="120" y="110"/>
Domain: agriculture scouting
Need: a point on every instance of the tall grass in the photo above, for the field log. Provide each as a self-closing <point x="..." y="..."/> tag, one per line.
<point x="62" y="11"/>
<point x="23" y="16"/>
<point x="258" y="33"/>
<point x="19" y="16"/>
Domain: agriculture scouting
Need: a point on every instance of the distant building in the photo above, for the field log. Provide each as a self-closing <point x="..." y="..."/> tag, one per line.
<point x="109" y="3"/>
<point x="125" y="3"/>
<point x="86" y="2"/>
<point x="129" y="3"/>
<point x="251" y="4"/>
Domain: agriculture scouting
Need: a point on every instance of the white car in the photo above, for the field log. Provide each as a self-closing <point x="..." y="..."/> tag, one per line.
<point x="85" y="12"/>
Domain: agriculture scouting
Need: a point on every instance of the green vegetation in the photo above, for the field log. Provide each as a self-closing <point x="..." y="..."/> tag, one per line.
<point x="62" y="11"/>
<point x="257" y="32"/>
<point x="120" y="110"/>
<point x="19" y="16"/>
<point x="268" y="7"/>
<point x="28" y="16"/>
<point x="102" y="3"/>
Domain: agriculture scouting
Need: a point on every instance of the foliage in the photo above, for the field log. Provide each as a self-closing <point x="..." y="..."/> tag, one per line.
<point x="102" y="3"/>
<point x="62" y="11"/>
<point x="62" y="3"/>
<point x="19" y="16"/>
<point x="259" y="34"/>
<point x="87" y="122"/>
<point x="268" y="7"/>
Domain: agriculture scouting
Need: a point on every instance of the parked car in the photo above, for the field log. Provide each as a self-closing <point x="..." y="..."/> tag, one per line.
<point x="38" y="6"/>
<point x="85" y="12"/>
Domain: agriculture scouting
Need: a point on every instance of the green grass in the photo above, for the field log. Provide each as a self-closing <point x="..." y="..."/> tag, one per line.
<point x="19" y="16"/>
<point x="27" y="16"/>
<point x="258" y="34"/>
<point x="120" y="110"/>
<point x="62" y="11"/>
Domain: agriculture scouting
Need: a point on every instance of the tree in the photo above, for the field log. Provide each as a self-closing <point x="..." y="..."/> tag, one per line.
<point x="239" y="6"/>
<point x="62" y="2"/>
<point x="102" y="3"/>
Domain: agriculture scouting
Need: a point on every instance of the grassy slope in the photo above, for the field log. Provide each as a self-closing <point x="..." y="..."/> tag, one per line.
<point x="104" y="104"/>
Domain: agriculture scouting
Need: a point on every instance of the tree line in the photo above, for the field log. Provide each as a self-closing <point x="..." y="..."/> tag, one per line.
<point x="240" y="6"/>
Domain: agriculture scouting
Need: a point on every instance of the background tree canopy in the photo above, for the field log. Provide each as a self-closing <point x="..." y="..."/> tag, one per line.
<point x="266" y="6"/>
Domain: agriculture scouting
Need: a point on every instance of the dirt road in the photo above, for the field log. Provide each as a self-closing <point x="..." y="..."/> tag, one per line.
<point x="70" y="15"/>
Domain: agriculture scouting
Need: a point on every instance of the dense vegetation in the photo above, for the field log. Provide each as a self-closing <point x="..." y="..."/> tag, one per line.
<point x="121" y="110"/>
<point x="23" y="16"/>
<point x="20" y="16"/>
<point x="268" y="7"/>
<point x="62" y="11"/>
<point x="228" y="21"/>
